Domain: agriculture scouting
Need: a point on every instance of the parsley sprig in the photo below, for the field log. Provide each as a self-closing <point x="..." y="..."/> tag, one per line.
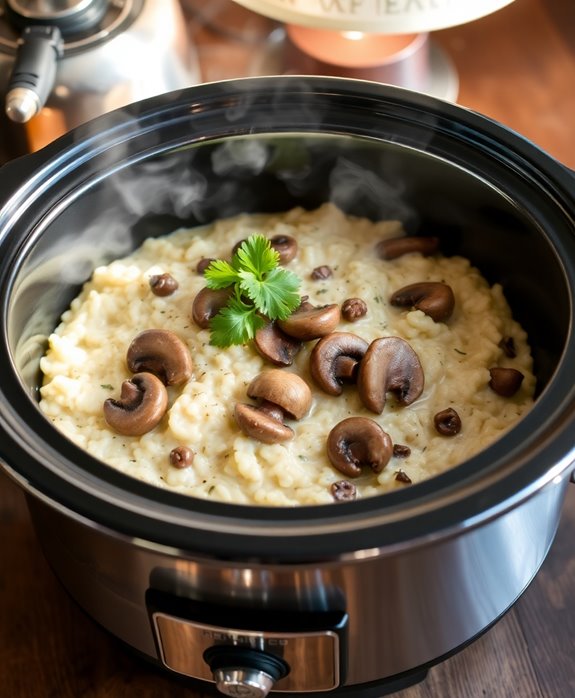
<point x="262" y="291"/>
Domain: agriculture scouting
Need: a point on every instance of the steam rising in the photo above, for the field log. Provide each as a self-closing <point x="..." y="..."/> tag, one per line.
<point x="128" y="196"/>
<point x="352" y="184"/>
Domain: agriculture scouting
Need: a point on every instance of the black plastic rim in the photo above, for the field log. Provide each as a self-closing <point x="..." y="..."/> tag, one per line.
<point x="539" y="449"/>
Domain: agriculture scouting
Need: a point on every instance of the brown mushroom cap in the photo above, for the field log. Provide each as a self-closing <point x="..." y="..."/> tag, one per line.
<point x="276" y="346"/>
<point x="163" y="284"/>
<point x="396" y="247"/>
<point x="260" y="425"/>
<point x="353" y="309"/>
<point x="307" y="323"/>
<point x="282" y="388"/>
<point x="203" y="264"/>
<point x="207" y="303"/>
<point x="162" y="353"/>
<point x="356" y="442"/>
<point x="447" y="422"/>
<point x="285" y="246"/>
<point x="142" y="404"/>
<point x="181" y="457"/>
<point x="434" y="298"/>
<point x="390" y="365"/>
<point x="505" y="381"/>
<point x="326" y="357"/>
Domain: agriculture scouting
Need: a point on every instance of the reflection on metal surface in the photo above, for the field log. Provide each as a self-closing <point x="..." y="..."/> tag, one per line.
<point x="414" y="605"/>
<point x="140" y="49"/>
<point x="249" y="683"/>
<point x="315" y="654"/>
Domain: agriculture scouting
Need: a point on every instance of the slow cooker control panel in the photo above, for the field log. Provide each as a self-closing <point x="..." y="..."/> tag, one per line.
<point x="248" y="652"/>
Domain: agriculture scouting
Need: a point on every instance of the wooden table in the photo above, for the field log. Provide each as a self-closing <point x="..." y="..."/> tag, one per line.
<point x="517" y="66"/>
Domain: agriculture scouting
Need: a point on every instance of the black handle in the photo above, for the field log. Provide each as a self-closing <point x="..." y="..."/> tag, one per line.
<point x="34" y="71"/>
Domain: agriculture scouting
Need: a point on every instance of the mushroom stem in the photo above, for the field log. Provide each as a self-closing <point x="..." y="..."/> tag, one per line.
<point x="162" y="353"/>
<point x="334" y="359"/>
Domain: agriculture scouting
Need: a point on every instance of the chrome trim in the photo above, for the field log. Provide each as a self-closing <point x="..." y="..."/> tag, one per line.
<point x="183" y="642"/>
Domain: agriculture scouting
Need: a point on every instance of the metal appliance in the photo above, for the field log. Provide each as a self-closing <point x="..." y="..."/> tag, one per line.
<point x="353" y="599"/>
<point x="63" y="62"/>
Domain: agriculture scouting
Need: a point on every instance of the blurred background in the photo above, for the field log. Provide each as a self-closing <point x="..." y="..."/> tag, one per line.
<point x="63" y="62"/>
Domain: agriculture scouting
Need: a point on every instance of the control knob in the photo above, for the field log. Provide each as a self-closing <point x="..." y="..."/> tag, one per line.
<point x="242" y="672"/>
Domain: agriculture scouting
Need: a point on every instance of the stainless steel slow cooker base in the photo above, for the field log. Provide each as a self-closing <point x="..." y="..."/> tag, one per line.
<point x="374" y="588"/>
<point x="347" y="623"/>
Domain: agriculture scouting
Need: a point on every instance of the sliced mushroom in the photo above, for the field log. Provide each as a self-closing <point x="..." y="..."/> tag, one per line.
<point x="207" y="303"/>
<point x="260" y="425"/>
<point x="434" y="298"/>
<point x="357" y="442"/>
<point x="276" y="346"/>
<point x="279" y="394"/>
<point x="390" y="365"/>
<point x="505" y="381"/>
<point x="162" y="353"/>
<point x="328" y="365"/>
<point x="142" y="404"/>
<point x="282" y="388"/>
<point x="396" y="247"/>
<point x="285" y="246"/>
<point x="313" y="322"/>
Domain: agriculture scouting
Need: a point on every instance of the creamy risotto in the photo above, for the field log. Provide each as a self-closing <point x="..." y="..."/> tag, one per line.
<point x="336" y="261"/>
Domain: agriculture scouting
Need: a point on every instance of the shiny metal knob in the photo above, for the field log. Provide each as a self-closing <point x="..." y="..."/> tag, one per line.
<point x="244" y="683"/>
<point x="22" y="104"/>
<point x="244" y="672"/>
<point x="33" y="72"/>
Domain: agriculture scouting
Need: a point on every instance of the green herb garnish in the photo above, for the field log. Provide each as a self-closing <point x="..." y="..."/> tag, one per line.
<point x="262" y="291"/>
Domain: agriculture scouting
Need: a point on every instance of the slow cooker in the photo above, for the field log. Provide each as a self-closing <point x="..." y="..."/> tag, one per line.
<point x="353" y="599"/>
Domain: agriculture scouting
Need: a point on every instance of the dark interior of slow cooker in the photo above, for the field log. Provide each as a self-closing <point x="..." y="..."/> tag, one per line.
<point x="107" y="216"/>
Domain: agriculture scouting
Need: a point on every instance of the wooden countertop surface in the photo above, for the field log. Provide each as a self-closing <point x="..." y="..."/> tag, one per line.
<point x="517" y="66"/>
